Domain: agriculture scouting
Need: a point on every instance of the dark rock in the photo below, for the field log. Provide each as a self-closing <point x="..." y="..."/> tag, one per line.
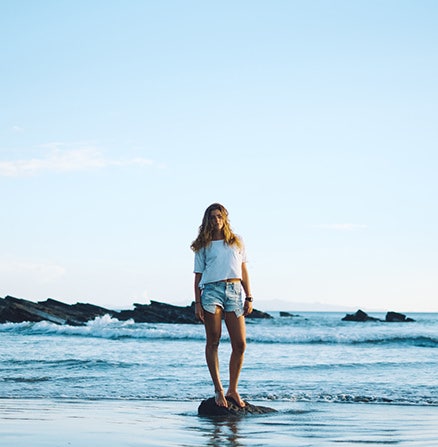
<point x="391" y="317"/>
<point x="157" y="312"/>
<point x="17" y="310"/>
<point x="208" y="407"/>
<point x="395" y="317"/>
<point x="287" y="314"/>
<point x="75" y="314"/>
<point x="258" y="314"/>
<point x="359" y="316"/>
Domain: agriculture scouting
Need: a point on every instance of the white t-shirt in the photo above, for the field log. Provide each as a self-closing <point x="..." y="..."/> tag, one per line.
<point x="219" y="261"/>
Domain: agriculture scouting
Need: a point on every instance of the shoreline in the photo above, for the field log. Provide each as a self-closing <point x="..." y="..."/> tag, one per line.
<point x="59" y="422"/>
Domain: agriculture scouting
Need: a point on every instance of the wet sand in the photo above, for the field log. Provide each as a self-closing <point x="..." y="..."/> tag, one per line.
<point x="60" y="423"/>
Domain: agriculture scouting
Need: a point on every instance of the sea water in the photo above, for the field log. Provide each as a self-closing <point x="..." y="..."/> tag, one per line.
<point x="313" y="357"/>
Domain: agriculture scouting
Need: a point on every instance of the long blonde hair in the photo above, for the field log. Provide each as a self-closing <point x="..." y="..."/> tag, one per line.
<point x="206" y="229"/>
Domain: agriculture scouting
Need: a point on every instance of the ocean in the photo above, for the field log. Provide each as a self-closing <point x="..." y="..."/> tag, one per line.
<point x="314" y="357"/>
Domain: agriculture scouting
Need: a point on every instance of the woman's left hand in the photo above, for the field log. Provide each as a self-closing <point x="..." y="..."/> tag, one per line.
<point x="199" y="312"/>
<point x="247" y="308"/>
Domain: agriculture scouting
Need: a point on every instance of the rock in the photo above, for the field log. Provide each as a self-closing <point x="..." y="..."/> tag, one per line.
<point x="258" y="314"/>
<point x="287" y="314"/>
<point x="359" y="316"/>
<point x="391" y="317"/>
<point x="208" y="407"/>
<point x="17" y="310"/>
<point x="75" y="314"/>
<point x="157" y="312"/>
<point x="395" y="317"/>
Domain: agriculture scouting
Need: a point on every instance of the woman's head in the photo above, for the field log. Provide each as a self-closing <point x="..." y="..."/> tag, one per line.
<point x="215" y="219"/>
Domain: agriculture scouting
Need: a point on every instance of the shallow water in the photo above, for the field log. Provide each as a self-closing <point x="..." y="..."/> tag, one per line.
<point x="55" y="423"/>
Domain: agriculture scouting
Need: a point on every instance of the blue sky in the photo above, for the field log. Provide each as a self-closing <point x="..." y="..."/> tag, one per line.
<point x="313" y="122"/>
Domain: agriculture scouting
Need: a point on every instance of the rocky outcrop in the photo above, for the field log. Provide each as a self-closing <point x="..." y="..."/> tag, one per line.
<point x="287" y="314"/>
<point x="17" y="310"/>
<point x="258" y="314"/>
<point x="395" y="317"/>
<point x="208" y="407"/>
<point x="391" y="317"/>
<point x="360" y="316"/>
<point x="157" y="312"/>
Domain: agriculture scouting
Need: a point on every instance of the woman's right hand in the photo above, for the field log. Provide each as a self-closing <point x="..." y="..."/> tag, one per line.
<point x="199" y="311"/>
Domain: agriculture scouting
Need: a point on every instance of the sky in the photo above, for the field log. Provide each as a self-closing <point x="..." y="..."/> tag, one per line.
<point x="314" y="122"/>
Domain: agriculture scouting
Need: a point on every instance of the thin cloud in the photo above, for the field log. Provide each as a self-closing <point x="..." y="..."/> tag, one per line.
<point x="341" y="226"/>
<point x="66" y="160"/>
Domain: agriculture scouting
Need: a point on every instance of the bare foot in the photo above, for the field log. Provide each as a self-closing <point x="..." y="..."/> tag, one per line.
<point x="236" y="397"/>
<point x="219" y="398"/>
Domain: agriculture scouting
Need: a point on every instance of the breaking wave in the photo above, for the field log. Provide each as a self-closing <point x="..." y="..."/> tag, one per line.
<point x="109" y="328"/>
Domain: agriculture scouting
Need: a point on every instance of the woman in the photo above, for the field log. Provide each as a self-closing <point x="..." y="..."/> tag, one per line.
<point x="220" y="274"/>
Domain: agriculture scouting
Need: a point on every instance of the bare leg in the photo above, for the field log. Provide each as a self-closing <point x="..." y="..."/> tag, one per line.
<point x="213" y="330"/>
<point x="237" y="330"/>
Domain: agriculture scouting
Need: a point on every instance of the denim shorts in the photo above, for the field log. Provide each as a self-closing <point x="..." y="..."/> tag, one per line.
<point x="227" y="295"/>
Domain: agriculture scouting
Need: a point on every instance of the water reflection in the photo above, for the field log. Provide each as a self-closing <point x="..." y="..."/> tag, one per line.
<point x="221" y="431"/>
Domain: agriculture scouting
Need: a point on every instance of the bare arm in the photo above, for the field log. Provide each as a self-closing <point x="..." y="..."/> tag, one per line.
<point x="247" y="308"/>
<point x="199" y="311"/>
